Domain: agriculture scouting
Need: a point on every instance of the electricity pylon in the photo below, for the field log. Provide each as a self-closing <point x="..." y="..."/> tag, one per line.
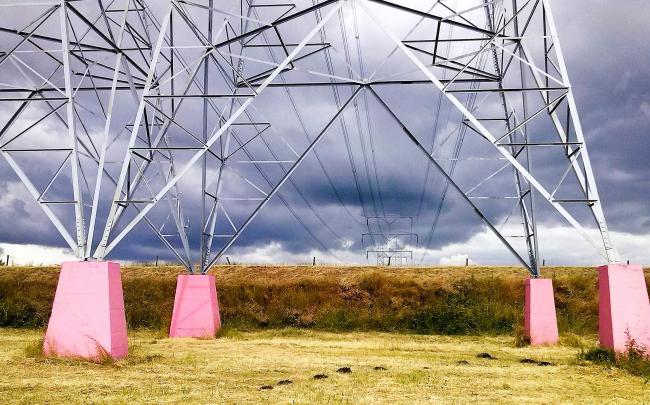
<point x="204" y="86"/>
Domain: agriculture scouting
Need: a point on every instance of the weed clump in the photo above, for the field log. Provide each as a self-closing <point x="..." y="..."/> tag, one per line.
<point x="599" y="355"/>
<point x="34" y="349"/>
<point x="522" y="338"/>
<point x="635" y="359"/>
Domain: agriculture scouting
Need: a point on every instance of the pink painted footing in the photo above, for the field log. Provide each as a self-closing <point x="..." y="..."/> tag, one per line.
<point x="87" y="317"/>
<point x="624" y="309"/>
<point x="539" y="312"/>
<point x="196" y="308"/>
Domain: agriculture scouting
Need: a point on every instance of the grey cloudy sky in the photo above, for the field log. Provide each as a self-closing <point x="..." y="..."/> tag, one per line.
<point x="605" y="47"/>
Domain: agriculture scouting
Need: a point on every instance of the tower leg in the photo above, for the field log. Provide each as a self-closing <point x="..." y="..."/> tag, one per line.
<point x="624" y="309"/>
<point x="88" y="319"/>
<point x="196" y="308"/>
<point x="540" y="320"/>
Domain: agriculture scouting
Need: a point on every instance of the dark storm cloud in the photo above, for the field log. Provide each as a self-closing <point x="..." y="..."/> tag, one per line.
<point x="605" y="47"/>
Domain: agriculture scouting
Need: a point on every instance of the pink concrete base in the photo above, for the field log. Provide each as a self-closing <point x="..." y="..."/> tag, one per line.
<point x="624" y="309"/>
<point x="87" y="317"/>
<point x="540" y="321"/>
<point x="196" y="308"/>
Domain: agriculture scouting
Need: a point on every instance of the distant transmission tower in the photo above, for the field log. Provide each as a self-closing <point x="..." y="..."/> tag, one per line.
<point x="389" y="242"/>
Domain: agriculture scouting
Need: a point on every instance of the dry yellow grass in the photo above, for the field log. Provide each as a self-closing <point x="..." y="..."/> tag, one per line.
<point x="260" y="273"/>
<point x="419" y="369"/>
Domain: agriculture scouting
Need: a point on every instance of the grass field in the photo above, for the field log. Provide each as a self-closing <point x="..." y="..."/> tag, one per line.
<point x="232" y="368"/>
<point x="294" y="322"/>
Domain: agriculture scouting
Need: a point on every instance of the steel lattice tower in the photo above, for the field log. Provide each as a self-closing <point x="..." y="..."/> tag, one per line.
<point x="116" y="112"/>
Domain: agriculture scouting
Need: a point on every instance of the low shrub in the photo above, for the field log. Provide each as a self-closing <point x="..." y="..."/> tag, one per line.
<point x="635" y="359"/>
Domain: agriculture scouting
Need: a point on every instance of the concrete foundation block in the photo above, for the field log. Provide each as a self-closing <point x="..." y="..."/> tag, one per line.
<point x="196" y="308"/>
<point x="624" y="308"/>
<point x="87" y="319"/>
<point x="540" y="320"/>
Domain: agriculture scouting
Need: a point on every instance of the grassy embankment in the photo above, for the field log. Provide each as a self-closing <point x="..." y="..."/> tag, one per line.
<point x="443" y="300"/>
<point x="419" y="369"/>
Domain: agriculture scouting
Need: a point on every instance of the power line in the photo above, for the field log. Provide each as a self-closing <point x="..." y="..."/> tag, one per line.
<point x="454" y="161"/>
<point x="306" y="131"/>
<point x="367" y="113"/>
